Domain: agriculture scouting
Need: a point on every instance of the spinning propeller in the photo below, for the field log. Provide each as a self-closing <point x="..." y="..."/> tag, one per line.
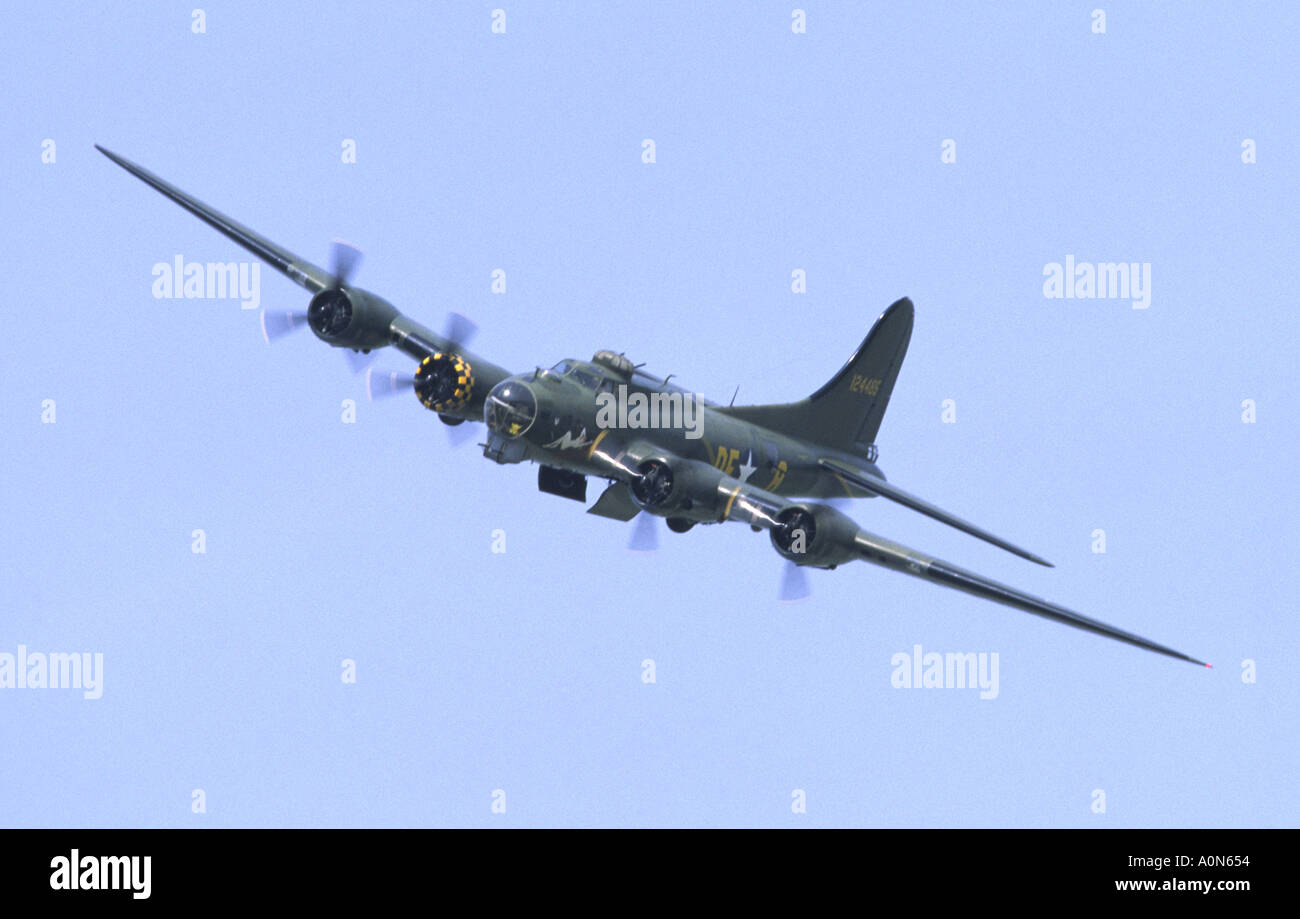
<point x="794" y="583"/>
<point x="459" y="330"/>
<point x="645" y="533"/>
<point x="276" y="324"/>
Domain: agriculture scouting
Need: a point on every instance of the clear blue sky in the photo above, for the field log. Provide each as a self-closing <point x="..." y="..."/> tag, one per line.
<point x="522" y="671"/>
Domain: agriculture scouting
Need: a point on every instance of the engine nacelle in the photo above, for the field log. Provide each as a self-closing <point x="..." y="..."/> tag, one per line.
<point x="444" y="382"/>
<point x="686" y="488"/>
<point x="348" y="318"/>
<point x="814" y="534"/>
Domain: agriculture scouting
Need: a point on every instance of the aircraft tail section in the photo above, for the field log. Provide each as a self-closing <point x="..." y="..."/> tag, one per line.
<point x="845" y="414"/>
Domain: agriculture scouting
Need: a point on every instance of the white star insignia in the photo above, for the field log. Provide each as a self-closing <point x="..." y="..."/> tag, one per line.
<point x="746" y="470"/>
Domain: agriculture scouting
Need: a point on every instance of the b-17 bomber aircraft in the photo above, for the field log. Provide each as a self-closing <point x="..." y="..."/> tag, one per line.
<point x="771" y="467"/>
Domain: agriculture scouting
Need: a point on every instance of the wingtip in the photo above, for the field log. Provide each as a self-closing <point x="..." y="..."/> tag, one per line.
<point x="111" y="155"/>
<point x="1025" y="554"/>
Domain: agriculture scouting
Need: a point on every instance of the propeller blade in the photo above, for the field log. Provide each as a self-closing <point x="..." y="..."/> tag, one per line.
<point x="358" y="361"/>
<point x="344" y="259"/>
<point x="278" y="323"/>
<point x="460" y="330"/>
<point x="460" y="434"/>
<point x="380" y="385"/>
<point x="794" y="583"/>
<point x="645" y="533"/>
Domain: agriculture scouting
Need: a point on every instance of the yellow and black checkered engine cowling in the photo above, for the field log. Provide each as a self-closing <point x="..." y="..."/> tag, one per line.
<point x="444" y="382"/>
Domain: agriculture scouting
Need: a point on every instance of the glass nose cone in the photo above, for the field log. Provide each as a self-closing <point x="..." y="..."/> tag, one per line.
<point x="510" y="408"/>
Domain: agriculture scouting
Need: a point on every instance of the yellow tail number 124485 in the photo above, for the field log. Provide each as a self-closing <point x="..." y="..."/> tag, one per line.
<point x="867" y="386"/>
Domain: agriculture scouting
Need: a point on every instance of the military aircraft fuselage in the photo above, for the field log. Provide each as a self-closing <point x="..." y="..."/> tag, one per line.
<point x="578" y="415"/>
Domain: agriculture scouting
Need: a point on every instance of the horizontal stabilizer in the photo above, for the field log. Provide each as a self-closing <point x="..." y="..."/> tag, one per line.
<point x="886" y="490"/>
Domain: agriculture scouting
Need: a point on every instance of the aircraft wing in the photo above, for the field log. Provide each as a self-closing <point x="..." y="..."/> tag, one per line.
<point x="887" y="490"/>
<point x="889" y="554"/>
<point x="298" y="270"/>
<point x="828" y="537"/>
<point x="367" y="321"/>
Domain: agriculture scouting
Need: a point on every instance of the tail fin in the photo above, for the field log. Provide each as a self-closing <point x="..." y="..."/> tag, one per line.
<point x="845" y="414"/>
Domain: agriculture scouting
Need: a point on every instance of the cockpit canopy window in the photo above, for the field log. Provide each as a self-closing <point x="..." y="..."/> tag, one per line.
<point x="574" y="372"/>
